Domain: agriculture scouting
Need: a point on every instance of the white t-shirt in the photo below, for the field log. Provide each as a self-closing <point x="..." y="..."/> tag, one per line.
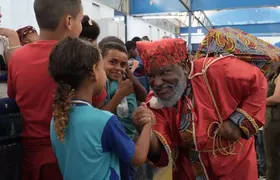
<point x="3" y="47"/>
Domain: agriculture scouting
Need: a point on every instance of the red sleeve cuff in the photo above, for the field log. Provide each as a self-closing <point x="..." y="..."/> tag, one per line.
<point x="100" y="98"/>
<point x="163" y="160"/>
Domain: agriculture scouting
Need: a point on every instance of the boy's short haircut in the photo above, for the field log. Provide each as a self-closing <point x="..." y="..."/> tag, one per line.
<point x="145" y="38"/>
<point x="110" y="39"/>
<point x="49" y="12"/>
<point x="112" y="46"/>
<point x="135" y="39"/>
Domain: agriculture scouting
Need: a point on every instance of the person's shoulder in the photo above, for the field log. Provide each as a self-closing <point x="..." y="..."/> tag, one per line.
<point x="89" y="118"/>
<point x="106" y="114"/>
<point x="106" y="118"/>
<point x="91" y="112"/>
<point x="29" y="51"/>
<point x="22" y="52"/>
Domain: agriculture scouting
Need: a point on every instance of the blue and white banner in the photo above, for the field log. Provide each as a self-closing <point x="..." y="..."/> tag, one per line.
<point x="138" y="7"/>
<point x="245" y="16"/>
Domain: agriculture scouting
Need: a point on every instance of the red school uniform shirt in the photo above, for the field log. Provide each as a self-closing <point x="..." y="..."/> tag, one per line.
<point x="30" y="84"/>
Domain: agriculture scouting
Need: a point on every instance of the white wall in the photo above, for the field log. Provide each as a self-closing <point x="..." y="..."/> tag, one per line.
<point x="138" y="27"/>
<point x="111" y="28"/>
<point x="197" y="39"/>
<point x="20" y="13"/>
<point x="97" y="11"/>
<point x="271" y="40"/>
<point x="17" y="13"/>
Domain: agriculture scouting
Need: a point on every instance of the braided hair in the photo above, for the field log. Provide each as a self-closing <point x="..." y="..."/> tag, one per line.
<point x="71" y="61"/>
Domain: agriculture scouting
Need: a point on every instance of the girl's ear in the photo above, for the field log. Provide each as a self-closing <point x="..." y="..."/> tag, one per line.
<point x="93" y="73"/>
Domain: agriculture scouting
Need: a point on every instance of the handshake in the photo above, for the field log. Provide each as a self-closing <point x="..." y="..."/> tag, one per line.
<point x="143" y="116"/>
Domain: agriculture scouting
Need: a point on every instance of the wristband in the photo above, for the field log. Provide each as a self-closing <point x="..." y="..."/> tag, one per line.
<point x="13" y="47"/>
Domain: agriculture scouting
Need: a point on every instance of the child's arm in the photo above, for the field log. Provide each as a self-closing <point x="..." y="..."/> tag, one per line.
<point x="125" y="88"/>
<point x="134" y="66"/>
<point x="113" y="103"/>
<point x="14" y="42"/>
<point x="115" y="139"/>
<point x="140" y="91"/>
<point x="142" y="145"/>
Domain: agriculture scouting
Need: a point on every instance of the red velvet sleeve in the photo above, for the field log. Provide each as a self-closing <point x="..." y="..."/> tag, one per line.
<point x="97" y="100"/>
<point x="247" y="80"/>
<point x="162" y="130"/>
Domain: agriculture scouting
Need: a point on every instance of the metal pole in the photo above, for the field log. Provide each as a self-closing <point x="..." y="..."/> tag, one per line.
<point x="190" y="33"/>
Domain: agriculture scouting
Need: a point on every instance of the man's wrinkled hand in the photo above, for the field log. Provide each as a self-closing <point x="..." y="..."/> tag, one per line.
<point x="229" y="131"/>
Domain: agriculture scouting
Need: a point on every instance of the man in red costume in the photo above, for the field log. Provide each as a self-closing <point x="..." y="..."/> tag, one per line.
<point x="206" y="112"/>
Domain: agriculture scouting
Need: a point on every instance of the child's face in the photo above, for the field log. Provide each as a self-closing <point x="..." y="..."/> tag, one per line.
<point x="133" y="52"/>
<point x="100" y="76"/>
<point x="115" y="64"/>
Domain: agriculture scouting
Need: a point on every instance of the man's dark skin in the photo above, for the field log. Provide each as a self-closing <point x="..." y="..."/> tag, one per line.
<point x="228" y="130"/>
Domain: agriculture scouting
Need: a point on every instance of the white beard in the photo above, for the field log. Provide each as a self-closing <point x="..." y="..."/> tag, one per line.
<point x="154" y="104"/>
<point x="179" y="89"/>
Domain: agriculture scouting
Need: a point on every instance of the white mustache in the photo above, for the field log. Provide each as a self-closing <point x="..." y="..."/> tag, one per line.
<point x="164" y="86"/>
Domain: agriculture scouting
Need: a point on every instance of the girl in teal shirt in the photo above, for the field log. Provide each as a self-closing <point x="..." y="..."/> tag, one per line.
<point x="89" y="143"/>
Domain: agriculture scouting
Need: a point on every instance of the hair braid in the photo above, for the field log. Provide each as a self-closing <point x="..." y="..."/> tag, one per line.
<point x="61" y="106"/>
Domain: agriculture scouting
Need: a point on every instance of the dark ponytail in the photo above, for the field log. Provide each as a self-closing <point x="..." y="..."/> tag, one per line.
<point x="61" y="106"/>
<point x="91" y="29"/>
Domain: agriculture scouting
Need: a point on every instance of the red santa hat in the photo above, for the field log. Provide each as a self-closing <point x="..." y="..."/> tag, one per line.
<point x="162" y="53"/>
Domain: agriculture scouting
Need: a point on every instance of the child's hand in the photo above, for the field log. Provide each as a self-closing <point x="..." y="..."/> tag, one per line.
<point x="125" y="87"/>
<point x="129" y="74"/>
<point x="142" y="116"/>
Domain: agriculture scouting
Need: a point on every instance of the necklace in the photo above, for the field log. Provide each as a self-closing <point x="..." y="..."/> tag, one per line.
<point x="80" y="102"/>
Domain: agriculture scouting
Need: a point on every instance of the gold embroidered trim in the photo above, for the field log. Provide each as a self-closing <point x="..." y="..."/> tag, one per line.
<point x="245" y="130"/>
<point x="165" y="144"/>
<point x="247" y="116"/>
<point x="196" y="149"/>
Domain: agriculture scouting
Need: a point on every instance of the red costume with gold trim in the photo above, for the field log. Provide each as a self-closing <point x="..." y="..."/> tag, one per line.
<point x="218" y="89"/>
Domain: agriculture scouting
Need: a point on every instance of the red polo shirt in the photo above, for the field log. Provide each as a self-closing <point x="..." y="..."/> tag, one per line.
<point x="30" y="84"/>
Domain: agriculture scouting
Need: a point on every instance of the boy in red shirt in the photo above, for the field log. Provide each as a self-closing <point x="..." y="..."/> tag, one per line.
<point x="30" y="84"/>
